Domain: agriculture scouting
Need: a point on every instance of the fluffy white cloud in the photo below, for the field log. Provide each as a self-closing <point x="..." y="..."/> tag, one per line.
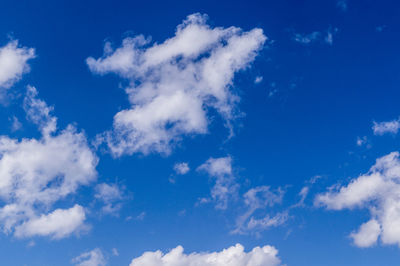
<point x="174" y="84"/>
<point x="91" y="258"/>
<point x="13" y="63"/>
<point x="260" y="198"/>
<point x="225" y="185"/>
<point x="37" y="173"/>
<point x="382" y="128"/>
<point x="181" y="168"/>
<point x="379" y="192"/>
<point x="232" y="256"/>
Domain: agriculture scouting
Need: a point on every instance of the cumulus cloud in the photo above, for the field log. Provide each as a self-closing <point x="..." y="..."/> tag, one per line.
<point x="260" y="198"/>
<point x="181" y="168"/>
<point x="382" y="128"/>
<point x="91" y="258"/>
<point x="37" y="173"/>
<point x="232" y="256"/>
<point x="225" y="185"/>
<point x="174" y="84"/>
<point x="13" y="63"/>
<point x="379" y="192"/>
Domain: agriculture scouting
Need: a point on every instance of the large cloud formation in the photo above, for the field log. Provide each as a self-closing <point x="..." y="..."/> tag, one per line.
<point x="232" y="256"/>
<point x="37" y="173"/>
<point x="379" y="192"/>
<point x="174" y="84"/>
<point x="13" y="63"/>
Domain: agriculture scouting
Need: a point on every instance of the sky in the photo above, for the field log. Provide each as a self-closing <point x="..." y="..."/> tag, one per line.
<point x="188" y="133"/>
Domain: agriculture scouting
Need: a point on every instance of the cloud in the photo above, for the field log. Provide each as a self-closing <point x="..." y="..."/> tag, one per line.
<point x="361" y="141"/>
<point x="173" y="85"/>
<point x="379" y="192"/>
<point x="37" y="173"/>
<point x="13" y="63"/>
<point x="225" y="185"/>
<point x="91" y="258"/>
<point x="382" y="128"/>
<point x="316" y="36"/>
<point x="181" y="168"/>
<point x="258" y="79"/>
<point x="232" y="256"/>
<point x="342" y="5"/>
<point x="59" y="224"/>
<point x="110" y="195"/>
<point x="260" y="198"/>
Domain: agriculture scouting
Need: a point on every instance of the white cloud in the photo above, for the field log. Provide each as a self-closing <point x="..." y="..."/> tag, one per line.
<point x="13" y="63"/>
<point x="225" y="185"/>
<point x="181" y="168"/>
<point x="58" y="224"/>
<point x="260" y="198"/>
<point x="91" y="258"/>
<point x="110" y="195"/>
<point x="37" y="173"/>
<point x="16" y="125"/>
<point x="232" y="256"/>
<point x="258" y="79"/>
<point x="316" y="36"/>
<point x="361" y="141"/>
<point x="379" y="192"/>
<point x="175" y="83"/>
<point x="382" y="128"/>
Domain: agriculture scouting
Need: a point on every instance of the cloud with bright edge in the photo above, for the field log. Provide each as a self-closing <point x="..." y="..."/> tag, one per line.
<point x="91" y="258"/>
<point x="173" y="85"/>
<point x="225" y="186"/>
<point x="378" y="191"/>
<point x="232" y="256"/>
<point x="37" y="173"/>
<point x="391" y="127"/>
<point x="13" y="63"/>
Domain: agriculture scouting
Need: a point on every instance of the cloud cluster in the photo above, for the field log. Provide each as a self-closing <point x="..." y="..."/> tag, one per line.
<point x="225" y="186"/>
<point x="379" y="192"/>
<point x="181" y="168"/>
<point x="37" y="173"/>
<point x="232" y="256"/>
<point x="174" y="85"/>
<point x="13" y="63"/>
<point x="111" y="195"/>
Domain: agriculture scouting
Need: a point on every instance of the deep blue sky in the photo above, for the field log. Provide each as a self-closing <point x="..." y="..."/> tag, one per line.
<point x="326" y="96"/>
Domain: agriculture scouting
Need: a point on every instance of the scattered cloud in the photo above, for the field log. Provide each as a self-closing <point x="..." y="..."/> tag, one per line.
<point x="111" y="195"/>
<point x="342" y="5"/>
<point x="361" y="141"/>
<point x="37" y="173"/>
<point x="382" y="128"/>
<point x="232" y="256"/>
<point x="260" y="198"/>
<point x="181" y="168"/>
<point x="13" y="63"/>
<point x="91" y="258"/>
<point x="378" y="191"/>
<point x="225" y="186"/>
<point x="316" y="36"/>
<point x="258" y="79"/>
<point x="172" y="85"/>
<point x="15" y="124"/>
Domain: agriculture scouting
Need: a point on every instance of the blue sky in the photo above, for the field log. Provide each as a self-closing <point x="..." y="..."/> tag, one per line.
<point x="133" y="127"/>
